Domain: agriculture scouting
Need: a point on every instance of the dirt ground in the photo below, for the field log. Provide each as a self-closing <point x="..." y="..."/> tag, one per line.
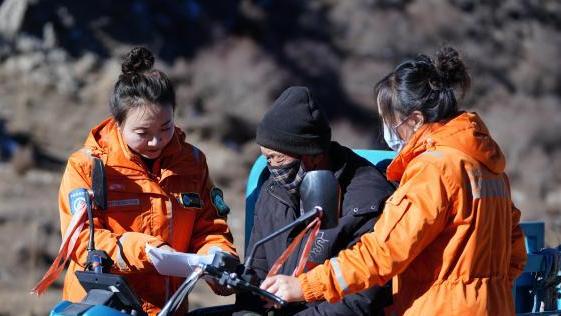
<point x="228" y="61"/>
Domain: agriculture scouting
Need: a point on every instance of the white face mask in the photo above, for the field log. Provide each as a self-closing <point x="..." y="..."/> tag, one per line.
<point x="392" y="138"/>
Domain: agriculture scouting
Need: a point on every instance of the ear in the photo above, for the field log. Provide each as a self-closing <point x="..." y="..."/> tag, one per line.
<point x="417" y="120"/>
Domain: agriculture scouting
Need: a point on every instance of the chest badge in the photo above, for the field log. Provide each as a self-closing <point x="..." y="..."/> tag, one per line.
<point x="217" y="198"/>
<point x="190" y="199"/>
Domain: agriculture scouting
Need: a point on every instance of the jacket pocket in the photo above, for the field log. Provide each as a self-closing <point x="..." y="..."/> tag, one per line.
<point x="184" y="225"/>
<point x="126" y="212"/>
<point x="368" y="208"/>
<point x="396" y="207"/>
<point x="125" y="196"/>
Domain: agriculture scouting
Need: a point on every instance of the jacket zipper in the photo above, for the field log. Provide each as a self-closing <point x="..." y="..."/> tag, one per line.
<point x="269" y="189"/>
<point x="299" y="249"/>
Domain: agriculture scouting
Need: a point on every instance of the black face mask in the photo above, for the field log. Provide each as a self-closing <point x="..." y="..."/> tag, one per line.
<point x="289" y="176"/>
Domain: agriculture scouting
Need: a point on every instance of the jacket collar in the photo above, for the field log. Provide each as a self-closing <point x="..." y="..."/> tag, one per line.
<point x="106" y="141"/>
<point x="414" y="147"/>
<point x="339" y="157"/>
<point x="465" y="132"/>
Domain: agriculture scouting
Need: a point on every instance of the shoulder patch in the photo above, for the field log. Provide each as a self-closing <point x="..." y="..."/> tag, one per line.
<point x="190" y="199"/>
<point x="217" y="199"/>
<point x="77" y="199"/>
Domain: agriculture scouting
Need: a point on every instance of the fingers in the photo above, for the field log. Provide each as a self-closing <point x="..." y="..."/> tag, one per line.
<point x="269" y="283"/>
<point x="286" y="287"/>
<point x="272" y="286"/>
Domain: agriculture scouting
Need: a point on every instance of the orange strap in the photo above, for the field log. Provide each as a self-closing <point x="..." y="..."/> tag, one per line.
<point x="316" y="223"/>
<point x="304" y="257"/>
<point x="66" y="248"/>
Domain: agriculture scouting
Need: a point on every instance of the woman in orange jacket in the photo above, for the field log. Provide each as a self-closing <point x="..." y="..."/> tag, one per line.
<point x="159" y="190"/>
<point x="450" y="233"/>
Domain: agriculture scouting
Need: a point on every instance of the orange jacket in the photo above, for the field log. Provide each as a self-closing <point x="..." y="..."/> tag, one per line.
<point x="143" y="208"/>
<point x="450" y="232"/>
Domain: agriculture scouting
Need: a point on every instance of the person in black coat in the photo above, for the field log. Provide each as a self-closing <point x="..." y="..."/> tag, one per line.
<point x="295" y="137"/>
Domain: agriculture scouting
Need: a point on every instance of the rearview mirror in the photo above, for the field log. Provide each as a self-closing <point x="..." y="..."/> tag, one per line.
<point x="319" y="188"/>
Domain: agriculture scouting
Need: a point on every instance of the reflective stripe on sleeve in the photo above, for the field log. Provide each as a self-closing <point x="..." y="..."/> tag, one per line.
<point x="339" y="275"/>
<point x="120" y="259"/>
<point x="169" y="217"/>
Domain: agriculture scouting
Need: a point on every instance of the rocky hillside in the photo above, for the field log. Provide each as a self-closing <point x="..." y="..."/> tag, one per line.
<point x="229" y="60"/>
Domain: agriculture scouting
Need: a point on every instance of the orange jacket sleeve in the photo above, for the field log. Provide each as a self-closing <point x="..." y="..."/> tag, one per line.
<point x="211" y="229"/>
<point x="518" y="257"/>
<point x="413" y="216"/>
<point x="126" y="250"/>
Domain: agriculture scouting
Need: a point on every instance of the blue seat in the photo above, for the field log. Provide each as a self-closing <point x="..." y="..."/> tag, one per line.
<point x="523" y="291"/>
<point x="533" y="231"/>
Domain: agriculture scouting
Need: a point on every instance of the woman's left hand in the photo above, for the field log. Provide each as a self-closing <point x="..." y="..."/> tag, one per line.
<point x="286" y="287"/>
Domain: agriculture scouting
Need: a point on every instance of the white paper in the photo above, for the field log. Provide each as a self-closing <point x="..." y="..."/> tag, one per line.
<point x="173" y="263"/>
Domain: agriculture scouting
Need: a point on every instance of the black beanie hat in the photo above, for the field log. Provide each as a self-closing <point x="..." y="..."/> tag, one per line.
<point x="295" y="125"/>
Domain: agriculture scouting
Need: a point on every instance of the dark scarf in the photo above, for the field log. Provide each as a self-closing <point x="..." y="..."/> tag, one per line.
<point x="288" y="176"/>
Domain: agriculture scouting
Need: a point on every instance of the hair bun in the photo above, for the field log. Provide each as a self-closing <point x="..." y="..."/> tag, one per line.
<point x="450" y="67"/>
<point x="138" y="60"/>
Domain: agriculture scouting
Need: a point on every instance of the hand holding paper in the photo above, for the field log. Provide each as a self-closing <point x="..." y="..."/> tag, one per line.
<point x="174" y="263"/>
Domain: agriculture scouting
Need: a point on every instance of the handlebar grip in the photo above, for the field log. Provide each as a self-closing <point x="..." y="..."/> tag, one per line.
<point x="277" y="300"/>
<point x="233" y="280"/>
<point x="270" y="296"/>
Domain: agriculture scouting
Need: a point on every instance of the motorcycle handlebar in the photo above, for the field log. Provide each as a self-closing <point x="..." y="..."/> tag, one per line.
<point x="246" y="286"/>
<point x="225" y="269"/>
<point x="227" y="275"/>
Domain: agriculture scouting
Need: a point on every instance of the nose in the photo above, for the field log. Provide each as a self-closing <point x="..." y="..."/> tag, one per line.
<point x="154" y="141"/>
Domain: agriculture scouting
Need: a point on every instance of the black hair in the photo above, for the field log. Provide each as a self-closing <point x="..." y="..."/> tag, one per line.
<point x="139" y="84"/>
<point x="424" y="85"/>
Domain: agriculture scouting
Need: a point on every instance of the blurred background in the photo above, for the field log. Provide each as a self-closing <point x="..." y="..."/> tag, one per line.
<point x="229" y="60"/>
